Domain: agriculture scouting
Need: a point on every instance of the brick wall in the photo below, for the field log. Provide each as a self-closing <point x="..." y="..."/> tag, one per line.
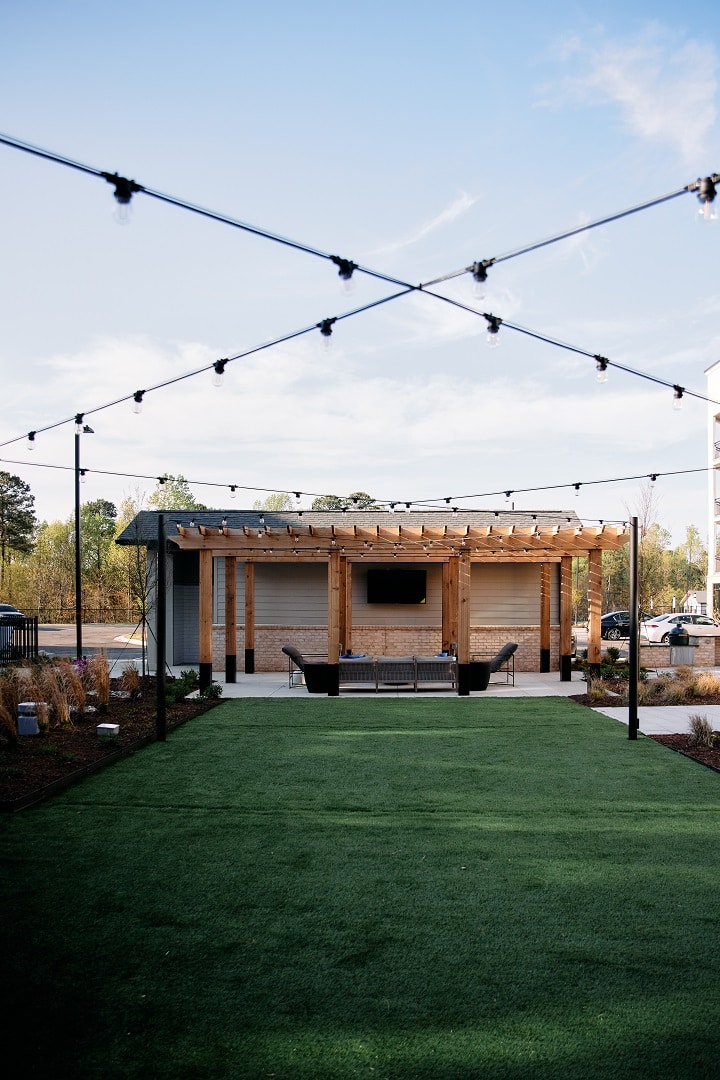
<point x="485" y="641"/>
<point x="704" y="654"/>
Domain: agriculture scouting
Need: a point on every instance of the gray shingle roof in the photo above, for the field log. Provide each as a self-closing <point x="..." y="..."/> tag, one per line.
<point x="143" y="529"/>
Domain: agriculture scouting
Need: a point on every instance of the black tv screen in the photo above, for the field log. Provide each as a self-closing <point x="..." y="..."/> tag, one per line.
<point x="393" y="585"/>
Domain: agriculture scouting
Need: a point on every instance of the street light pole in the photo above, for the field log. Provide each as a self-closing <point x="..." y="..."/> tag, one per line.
<point x="80" y="429"/>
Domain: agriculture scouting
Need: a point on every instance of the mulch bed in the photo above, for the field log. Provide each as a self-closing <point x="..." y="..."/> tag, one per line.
<point x="41" y="765"/>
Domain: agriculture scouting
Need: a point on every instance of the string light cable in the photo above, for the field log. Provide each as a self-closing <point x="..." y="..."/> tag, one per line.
<point x="138" y="396"/>
<point x="325" y="327"/>
<point x="433" y="503"/>
<point x="705" y="189"/>
<point x="125" y="188"/>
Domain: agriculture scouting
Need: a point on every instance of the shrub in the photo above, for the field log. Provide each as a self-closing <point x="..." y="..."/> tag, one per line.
<point x="56" y="693"/>
<point x="191" y="678"/>
<point x="7" y="725"/>
<point x="701" y="730"/>
<point x="212" y="692"/>
<point x="99" y="672"/>
<point x="130" y="681"/>
<point x="707" y="684"/>
<point x="177" y="689"/>
<point x="74" y="685"/>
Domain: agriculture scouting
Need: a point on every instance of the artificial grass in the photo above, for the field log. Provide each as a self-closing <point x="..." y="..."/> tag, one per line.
<point x="410" y="888"/>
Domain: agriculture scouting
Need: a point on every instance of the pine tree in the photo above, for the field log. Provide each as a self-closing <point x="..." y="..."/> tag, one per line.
<point x="17" y="521"/>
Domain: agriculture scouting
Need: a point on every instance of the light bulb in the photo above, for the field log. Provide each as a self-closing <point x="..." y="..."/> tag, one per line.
<point x="218" y="372"/>
<point x="31" y="440"/>
<point x="137" y="401"/>
<point x="601" y="365"/>
<point x="82" y="476"/>
<point x="122" y="211"/>
<point x="677" y="398"/>
<point x="233" y="490"/>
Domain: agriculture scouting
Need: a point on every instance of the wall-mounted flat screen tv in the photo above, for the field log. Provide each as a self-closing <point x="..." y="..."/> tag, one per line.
<point x="396" y="585"/>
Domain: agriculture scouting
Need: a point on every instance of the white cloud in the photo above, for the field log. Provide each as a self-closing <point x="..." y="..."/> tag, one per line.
<point x="666" y="92"/>
<point x="451" y="213"/>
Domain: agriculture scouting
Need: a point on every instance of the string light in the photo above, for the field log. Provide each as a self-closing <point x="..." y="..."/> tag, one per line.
<point x="124" y="191"/>
<point x="346" y="268"/>
<point x="601" y="364"/>
<point x="325" y="327"/>
<point x="706" y="194"/>
<point x="31" y="440"/>
<point x="218" y="372"/>
<point x="493" y="327"/>
<point x="678" y="392"/>
<point x="233" y="490"/>
<point x="138" y="401"/>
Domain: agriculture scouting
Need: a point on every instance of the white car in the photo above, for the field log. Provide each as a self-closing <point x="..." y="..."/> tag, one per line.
<point x="658" y="629"/>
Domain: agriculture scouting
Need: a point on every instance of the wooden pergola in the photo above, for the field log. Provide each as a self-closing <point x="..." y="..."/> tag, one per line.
<point x="456" y="547"/>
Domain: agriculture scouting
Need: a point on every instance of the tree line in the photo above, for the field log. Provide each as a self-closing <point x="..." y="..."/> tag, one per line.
<point x="37" y="559"/>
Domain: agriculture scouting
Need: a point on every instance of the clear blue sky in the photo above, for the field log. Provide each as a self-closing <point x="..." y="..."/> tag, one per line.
<point x="414" y="138"/>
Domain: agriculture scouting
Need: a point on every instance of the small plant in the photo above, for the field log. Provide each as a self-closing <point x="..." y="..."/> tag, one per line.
<point x="7" y="725"/>
<point x="99" y="671"/>
<point x="701" y="730"/>
<point x="130" y="681"/>
<point x="191" y="678"/>
<point x="56" y="693"/>
<point x="185" y="684"/>
<point x="74" y="685"/>
<point x="211" y="692"/>
<point x="612" y="653"/>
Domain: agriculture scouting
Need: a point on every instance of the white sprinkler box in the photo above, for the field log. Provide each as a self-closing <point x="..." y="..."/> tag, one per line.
<point x="28" y="724"/>
<point x="108" y="729"/>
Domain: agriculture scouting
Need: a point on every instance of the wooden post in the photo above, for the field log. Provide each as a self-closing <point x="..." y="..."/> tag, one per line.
<point x="450" y="604"/>
<point x="249" y="618"/>
<point x="230" y="618"/>
<point x="566" y="618"/>
<point x="545" y="617"/>
<point x="333" y="622"/>
<point x="594" y="609"/>
<point x="345" y="604"/>
<point x="206" y="613"/>
<point x="462" y="593"/>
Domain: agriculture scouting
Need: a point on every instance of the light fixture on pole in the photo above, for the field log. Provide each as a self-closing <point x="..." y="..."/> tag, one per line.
<point x="80" y="430"/>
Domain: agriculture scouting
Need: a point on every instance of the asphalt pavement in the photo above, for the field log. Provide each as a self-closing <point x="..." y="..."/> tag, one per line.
<point x="120" y="642"/>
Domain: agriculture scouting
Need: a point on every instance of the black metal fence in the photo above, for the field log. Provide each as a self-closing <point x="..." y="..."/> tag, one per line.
<point x="18" y="640"/>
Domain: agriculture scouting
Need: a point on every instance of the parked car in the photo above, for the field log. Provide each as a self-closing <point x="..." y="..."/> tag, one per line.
<point x="10" y="615"/>
<point x="658" y="629"/>
<point x="616" y="624"/>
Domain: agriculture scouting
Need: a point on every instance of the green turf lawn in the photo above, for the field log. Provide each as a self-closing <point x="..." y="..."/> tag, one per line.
<point x="413" y="889"/>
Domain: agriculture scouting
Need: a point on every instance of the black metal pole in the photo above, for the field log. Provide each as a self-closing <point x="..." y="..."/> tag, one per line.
<point x="78" y="560"/>
<point x="160" y="593"/>
<point x="633" y="643"/>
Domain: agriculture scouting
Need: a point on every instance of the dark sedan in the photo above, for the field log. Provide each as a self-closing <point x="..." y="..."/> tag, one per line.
<point x="10" y="616"/>
<point x="616" y="624"/>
